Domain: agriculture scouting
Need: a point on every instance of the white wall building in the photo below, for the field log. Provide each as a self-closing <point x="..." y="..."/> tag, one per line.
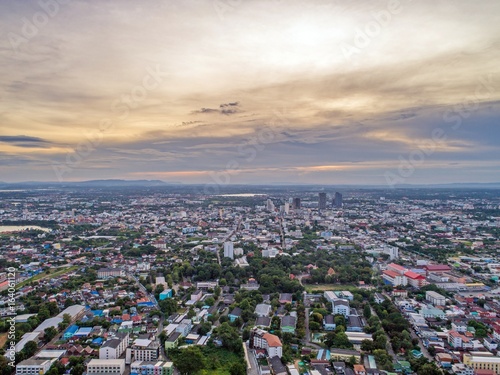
<point x="435" y="298"/>
<point x="264" y="340"/>
<point x="115" y="347"/>
<point x="106" y="367"/>
<point x="341" y="306"/>
<point x="228" y="250"/>
<point x="33" y="366"/>
<point x="145" y="350"/>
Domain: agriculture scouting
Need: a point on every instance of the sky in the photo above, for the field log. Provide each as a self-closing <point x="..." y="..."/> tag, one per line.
<point x="250" y="92"/>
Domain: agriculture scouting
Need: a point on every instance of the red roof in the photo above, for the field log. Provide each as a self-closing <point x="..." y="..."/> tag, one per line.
<point x="64" y="361"/>
<point x="414" y="275"/>
<point x="272" y="340"/>
<point x="437" y="267"/>
<point x="391" y="273"/>
<point x="397" y="267"/>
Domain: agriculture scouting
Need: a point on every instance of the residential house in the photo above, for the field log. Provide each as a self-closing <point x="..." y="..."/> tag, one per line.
<point x="288" y="324"/>
<point x="341" y="306"/>
<point x="235" y="314"/>
<point x="329" y="323"/>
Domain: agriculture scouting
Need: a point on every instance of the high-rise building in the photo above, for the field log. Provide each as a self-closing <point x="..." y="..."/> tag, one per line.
<point x="228" y="250"/>
<point x="287" y="208"/>
<point x="270" y="205"/>
<point x="322" y="201"/>
<point x="337" y="201"/>
<point x="296" y="203"/>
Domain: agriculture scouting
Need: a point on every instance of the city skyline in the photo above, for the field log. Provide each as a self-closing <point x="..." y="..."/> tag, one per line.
<point x="385" y="93"/>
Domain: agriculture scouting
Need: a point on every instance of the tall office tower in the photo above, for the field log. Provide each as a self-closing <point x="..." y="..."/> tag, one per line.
<point x="228" y="250"/>
<point x="322" y="201"/>
<point x="296" y="203"/>
<point x="270" y="205"/>
<point x="337" y="201"/>
<point x="287" y="208"/>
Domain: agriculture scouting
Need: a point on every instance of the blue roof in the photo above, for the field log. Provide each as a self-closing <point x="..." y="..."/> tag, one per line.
<point x="98" y="341"/>
<point x="71" y="329"/>
<point x="116" y="320"/>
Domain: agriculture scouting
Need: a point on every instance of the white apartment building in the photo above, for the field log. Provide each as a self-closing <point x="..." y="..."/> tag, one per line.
<point x="341" y="306"/>
<point x="145" y="350"/>
<point x="435" y="298"/>
<point x="33" y="366"/>
<point x="228" y="250"/>
<point x="106" y="367"/>
<point x="115" y="347"/>
<point x="263" y="340"/>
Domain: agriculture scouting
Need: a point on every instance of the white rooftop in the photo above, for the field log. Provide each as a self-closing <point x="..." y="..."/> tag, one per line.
<point x="142" y="342"/>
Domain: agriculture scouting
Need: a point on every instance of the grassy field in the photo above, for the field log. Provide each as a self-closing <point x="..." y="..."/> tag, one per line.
<point x="3" y="339"/>
<point x="324" y="287"/>
<point x="43" y="275"/>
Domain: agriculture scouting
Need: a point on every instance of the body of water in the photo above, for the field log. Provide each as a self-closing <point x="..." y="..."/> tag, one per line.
<point x="19" y="228"/>
<point x="241" y="195"/>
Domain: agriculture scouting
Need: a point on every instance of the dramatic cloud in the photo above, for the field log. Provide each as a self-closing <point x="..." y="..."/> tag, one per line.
<point x="259" y="91"/>
<point x="24" y="141"/>
<point x="206" y="110"/>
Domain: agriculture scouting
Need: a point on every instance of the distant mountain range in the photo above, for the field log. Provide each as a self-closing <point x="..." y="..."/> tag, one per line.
<point x="90" y="183"/>
<point x="158" y="183"/>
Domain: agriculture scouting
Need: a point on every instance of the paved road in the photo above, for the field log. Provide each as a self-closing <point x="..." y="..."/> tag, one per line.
<point x="233" y="232"/>
<point x="423" y="349"/>
<point x="253" y="368"/>
<point x="307" y="339"/>
<point x="413" y="335"/>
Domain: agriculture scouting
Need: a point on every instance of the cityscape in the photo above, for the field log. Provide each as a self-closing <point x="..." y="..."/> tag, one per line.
<point x="249" y="187"/>
<point x="256" y="280"/>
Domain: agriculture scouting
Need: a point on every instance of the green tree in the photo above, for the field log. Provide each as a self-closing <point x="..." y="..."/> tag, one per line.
<point x="429" y="369"/>
<point x="168" y="306"/>
<point x="205" y="327"/>
<point x="30" y="348"/>
<point x="189" y="361"/>
<point x="238" y="368"/>
<point x="79" y="369"/>
<point x="67" y="318"/>
<point x="49" y="333"/>
<point x="229" y="336"/>
<point x="367" y="345"/>
<point x="367" y="311"/>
